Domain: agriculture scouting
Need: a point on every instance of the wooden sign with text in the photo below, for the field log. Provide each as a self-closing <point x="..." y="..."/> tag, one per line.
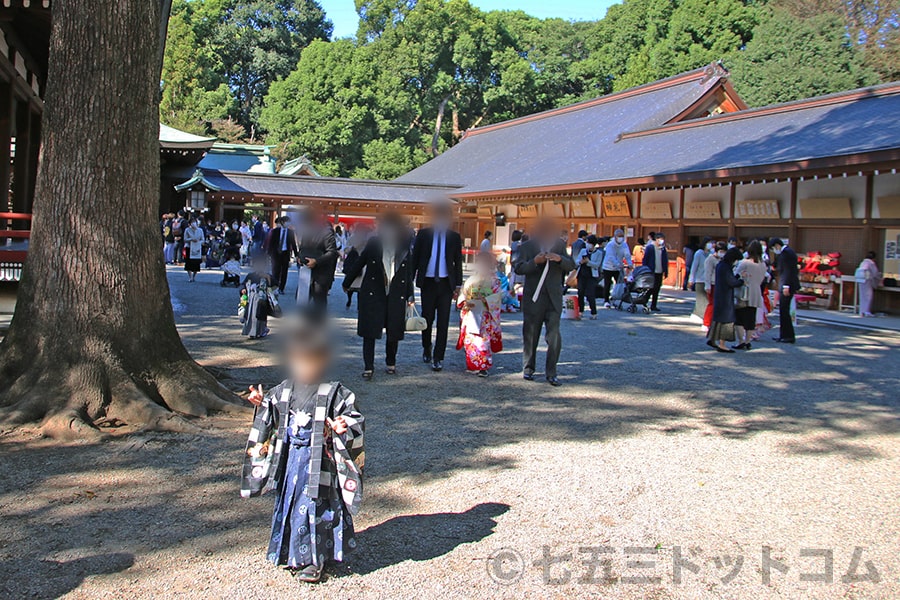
<point x="656" y="210"/>
<point x="616" y="206"/>
<point x="757" y="209"/>
<point x="707" y="209"/>
<point x="584" y="208"/>
<point x="528" y="211"/>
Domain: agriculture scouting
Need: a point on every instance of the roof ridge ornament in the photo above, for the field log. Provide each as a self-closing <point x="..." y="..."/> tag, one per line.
<point x="198" y="178"/>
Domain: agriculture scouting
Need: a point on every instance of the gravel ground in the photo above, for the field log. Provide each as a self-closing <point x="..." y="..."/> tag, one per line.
<point x="714" y="472"/>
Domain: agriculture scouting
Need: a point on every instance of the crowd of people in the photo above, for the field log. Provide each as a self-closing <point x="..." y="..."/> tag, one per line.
<point x="306" y="442"/>
<point x="384" y="264"/>
<point x="191" y="239"/>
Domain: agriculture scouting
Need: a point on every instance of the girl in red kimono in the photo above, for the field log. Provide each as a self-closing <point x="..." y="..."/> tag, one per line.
<point x="480" y="303"/>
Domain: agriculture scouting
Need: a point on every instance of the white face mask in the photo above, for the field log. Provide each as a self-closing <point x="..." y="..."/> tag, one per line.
<point x="764" y="248"/>
<point x="662" y="243"/>
<point x="730" y="246"/>
<point x="619" y="240"/>
<point x="777" y="250"/>
<point x="720" y="254"/>
<point x="709" y="247"/>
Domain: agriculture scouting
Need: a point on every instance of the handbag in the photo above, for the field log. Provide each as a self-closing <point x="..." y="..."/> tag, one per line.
<point x="572" y="279"/>
<point x="742" y="296"/>
<point x="415" y="321"/>
<point x="274" y="306"/>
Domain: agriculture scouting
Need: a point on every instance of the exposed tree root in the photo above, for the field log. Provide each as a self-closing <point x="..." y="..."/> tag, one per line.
<point x="70" y="402"/>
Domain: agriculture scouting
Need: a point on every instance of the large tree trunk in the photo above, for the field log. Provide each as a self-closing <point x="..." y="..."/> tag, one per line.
<point x="93" y="336"/>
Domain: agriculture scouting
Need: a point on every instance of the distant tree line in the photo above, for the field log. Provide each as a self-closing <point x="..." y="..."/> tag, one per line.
<point x="421" y="72"/>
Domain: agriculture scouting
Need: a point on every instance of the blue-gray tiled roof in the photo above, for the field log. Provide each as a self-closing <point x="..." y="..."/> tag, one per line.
<point x="571" y="144"/>
<point x="323" y="187"/>
<point x="627" y="139"/>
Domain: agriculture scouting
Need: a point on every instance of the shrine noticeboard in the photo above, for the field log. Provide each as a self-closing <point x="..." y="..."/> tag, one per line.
<point x="757" y="209"/>
<point x="889" y="207"/>
<point x="656" y="210"/>
<point x="706" y="209"/>
<point x="616" y="206"/>
<point x="584" y="208"/>
<point x="891" y="262"/>
<point x="527" y="211"/>
<point x="825" y="208"/>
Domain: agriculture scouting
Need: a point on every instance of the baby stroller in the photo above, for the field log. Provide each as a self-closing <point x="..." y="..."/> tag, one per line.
<point x="231" y="270"/>
<point x="637" y="290"/>
<point x="215" y="254"/>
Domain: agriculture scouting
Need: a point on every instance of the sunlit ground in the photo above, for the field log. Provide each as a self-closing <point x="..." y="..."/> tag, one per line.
<point x="730" y="476"/>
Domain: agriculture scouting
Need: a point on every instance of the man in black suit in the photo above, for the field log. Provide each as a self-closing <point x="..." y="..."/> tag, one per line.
<point x="317" y="250"/>
<point x="258" y="234"/>
<point x="282" y="246"/>
<point x="789" y="284"/>
<point x="437" y="260"/>
<point x="544" y="261"/>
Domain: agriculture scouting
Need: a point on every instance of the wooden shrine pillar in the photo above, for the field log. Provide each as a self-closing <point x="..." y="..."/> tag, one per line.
<point x="868" y="231"/>
<point x="21" y="165"/>
<point x="6" y="129"/>
<point x="732" y="203"/>
<point x="792" y="230"/>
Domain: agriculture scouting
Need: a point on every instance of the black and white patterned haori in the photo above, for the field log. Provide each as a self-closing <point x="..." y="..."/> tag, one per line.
<point x="317" y="474"/>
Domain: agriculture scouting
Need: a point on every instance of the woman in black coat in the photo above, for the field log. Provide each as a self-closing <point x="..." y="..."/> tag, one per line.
<point x="383" y="295"/>
<point x="722" y="328"/>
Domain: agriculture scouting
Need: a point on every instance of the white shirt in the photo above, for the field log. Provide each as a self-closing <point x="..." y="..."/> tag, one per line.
<point x="434" y="270"/>
<point x="388" y="255"/>
<point x="284" y="233"/>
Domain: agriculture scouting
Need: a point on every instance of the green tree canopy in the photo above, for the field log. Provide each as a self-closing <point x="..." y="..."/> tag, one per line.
<point x="222" y="56"/>
<point x="259" y="41"/>
<point x="791" y="58"/>
<point x="422" y="72"/>
<point x="325" y="108"/>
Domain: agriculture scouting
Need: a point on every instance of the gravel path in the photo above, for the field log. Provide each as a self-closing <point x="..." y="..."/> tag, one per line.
<point x="714" y="470"/>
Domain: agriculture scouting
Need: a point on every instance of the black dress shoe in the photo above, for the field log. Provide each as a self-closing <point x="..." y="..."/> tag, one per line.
<point x="437" y="366"/>
<point x="426" y="357"/>
<point x="528" y="376"/>
<point x="783" y="341"/>
<point x="554" y="381"/>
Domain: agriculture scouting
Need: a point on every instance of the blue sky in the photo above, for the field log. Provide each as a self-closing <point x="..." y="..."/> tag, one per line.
<point x="343" y="14"/>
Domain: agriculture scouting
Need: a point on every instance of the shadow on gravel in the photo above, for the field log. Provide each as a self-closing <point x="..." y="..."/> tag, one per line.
<point x="59" y="577"/>
<point x="423" y="537"/>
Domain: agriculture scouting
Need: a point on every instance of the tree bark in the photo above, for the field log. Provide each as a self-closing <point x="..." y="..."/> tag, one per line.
<point x="438" y="123"/>
<point x="93" y="336"/>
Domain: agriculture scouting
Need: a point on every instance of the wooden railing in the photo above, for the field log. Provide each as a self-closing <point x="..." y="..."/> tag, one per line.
<point x="13" y="244"/>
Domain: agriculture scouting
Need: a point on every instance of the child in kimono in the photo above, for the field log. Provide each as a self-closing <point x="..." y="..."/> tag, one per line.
<point x="255" y="287"/>
<point x="479" y="304"/>
<point x="307" y="444"/>
<point x="231" y="270"/>
<point x="509" y="301"/>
